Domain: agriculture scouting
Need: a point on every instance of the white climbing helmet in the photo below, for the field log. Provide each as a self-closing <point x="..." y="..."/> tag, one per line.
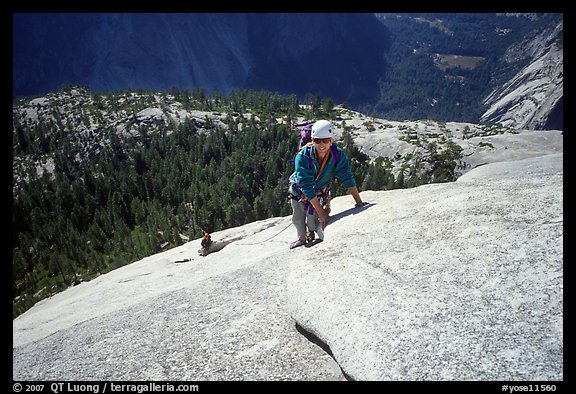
<point x="322" y="129"/>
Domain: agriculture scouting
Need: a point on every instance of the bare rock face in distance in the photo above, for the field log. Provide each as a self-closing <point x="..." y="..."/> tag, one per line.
<point x="534" y="98"/>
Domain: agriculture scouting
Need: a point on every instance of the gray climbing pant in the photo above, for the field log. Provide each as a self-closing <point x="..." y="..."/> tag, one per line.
<point x="302" y="219"/>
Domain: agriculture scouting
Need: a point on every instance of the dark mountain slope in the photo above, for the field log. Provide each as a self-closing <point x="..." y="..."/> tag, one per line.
<point x="337" y="55"/>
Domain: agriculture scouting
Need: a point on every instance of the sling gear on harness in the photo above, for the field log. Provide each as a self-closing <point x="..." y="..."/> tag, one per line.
<point x="324" y="197"/>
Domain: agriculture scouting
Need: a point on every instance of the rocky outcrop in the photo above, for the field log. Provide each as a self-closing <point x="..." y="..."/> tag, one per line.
<point x="533" y="98"/>
<point x="177" y="316"/>
<point x="459" y="281"/>
<point x="456" y="281"/>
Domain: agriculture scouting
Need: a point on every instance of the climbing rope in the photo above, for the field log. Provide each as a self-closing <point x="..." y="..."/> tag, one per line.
<point x="269" y="238"/>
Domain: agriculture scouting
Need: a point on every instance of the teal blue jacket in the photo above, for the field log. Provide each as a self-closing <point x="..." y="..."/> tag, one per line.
<point x="307" y="166"/>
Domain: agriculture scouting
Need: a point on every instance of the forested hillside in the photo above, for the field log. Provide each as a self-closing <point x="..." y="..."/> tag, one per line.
<point x="101" y="180"/>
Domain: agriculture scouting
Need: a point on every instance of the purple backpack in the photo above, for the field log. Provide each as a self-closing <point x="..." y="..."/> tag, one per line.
<point x="305" y="133"/>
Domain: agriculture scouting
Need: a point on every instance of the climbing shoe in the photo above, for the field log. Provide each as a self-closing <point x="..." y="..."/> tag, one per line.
<point x="298" y="242"/>
<point x="310" y="236"/>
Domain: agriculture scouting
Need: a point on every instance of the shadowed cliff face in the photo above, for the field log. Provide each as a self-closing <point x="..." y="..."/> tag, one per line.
<point x="119" y="51"/>
<point x="335" y="55"/>
<point x="289" y="53"/>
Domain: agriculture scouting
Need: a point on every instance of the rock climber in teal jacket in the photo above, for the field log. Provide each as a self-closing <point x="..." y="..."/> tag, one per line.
<point x="316" y="166"/>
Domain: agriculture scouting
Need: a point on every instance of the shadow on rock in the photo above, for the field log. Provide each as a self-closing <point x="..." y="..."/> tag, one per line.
<point x="323" y="345"/>
<point x="349" y="211"/>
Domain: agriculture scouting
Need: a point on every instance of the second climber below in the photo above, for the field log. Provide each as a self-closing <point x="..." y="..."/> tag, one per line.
<point x="316" y="165"/>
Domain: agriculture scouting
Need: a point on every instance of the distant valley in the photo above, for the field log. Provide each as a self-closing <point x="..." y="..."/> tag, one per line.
<point x="449" y="67"/>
